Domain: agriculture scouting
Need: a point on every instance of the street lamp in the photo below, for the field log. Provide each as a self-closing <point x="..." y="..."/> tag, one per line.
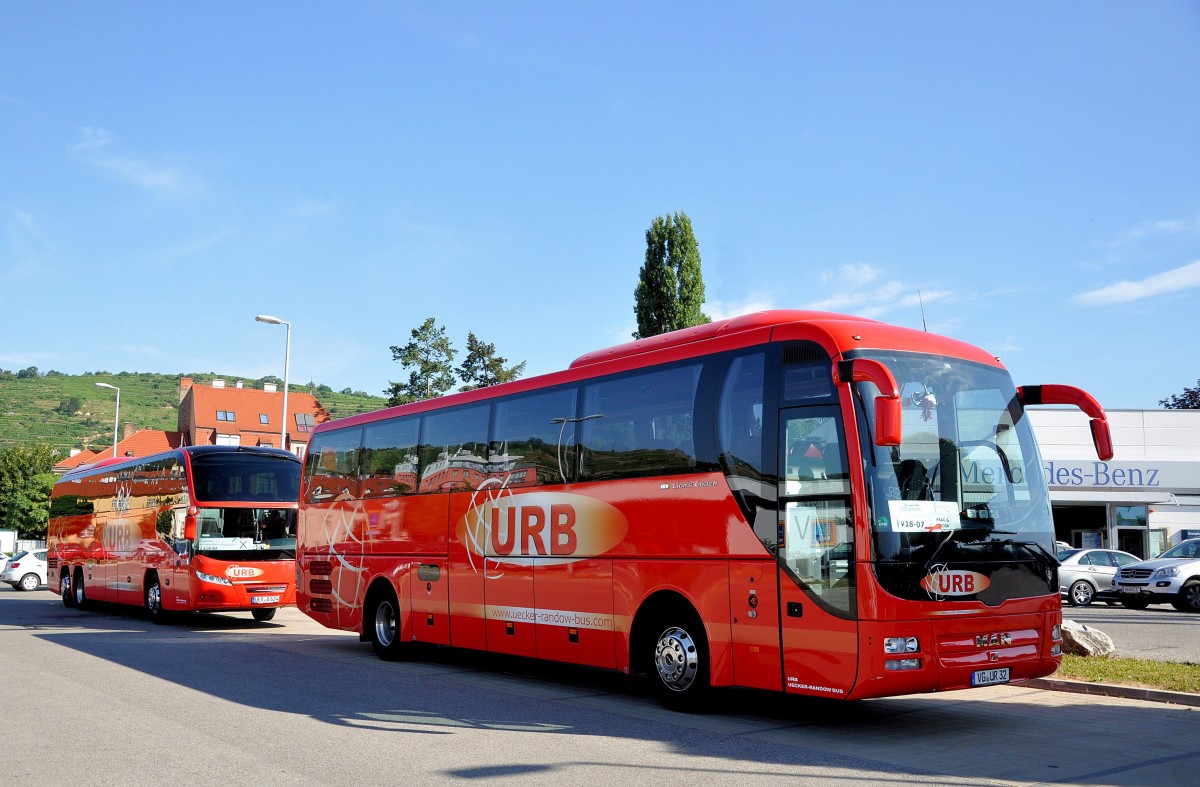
<point x="117" y="417"/>
<point x="287" y="356"/>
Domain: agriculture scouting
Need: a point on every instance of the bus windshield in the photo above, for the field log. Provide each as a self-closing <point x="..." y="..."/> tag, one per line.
<point x="246" y="533"/>
<point x="966" y="482"/>
<point x="246" y="476"/>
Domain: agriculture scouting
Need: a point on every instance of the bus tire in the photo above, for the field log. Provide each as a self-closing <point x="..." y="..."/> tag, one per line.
<point x="153" y="599"/>
<point x="77" y="590"/>
<point x="679" y="663"/>
<point x="263" y="615"/>
<point x="383" y="624"/>
<point x="64" y="588"/>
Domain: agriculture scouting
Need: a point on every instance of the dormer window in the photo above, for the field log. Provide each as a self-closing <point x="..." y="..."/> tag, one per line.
<point x="304" y="422"/>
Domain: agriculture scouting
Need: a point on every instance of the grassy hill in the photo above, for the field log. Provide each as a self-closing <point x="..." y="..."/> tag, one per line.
<point x="32" y="408"/>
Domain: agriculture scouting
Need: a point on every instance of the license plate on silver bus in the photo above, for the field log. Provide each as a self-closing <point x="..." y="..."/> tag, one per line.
<point x="264" y="599"/>
<point x="989" y="677"/>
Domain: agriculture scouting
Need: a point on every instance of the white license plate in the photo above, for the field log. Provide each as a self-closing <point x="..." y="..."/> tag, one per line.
<point x="1131" y="591"/>
<point x="264" y="599"/>
<point x="989" y="677"/>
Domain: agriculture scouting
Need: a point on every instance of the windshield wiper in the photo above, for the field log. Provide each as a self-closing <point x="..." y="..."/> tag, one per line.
<point x="1035" y="549"/>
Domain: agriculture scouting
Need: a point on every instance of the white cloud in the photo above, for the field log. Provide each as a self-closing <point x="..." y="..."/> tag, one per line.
<point x="1181" y="278"/>
<point x="94" y="149"/>
<point x="724" y="310"/>
<point x="854" y="275"/>
<point x="1165" y="227"/>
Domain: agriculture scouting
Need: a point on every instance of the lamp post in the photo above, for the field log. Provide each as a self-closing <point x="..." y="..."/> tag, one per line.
<point x="117" y="417"/>
<point x="287" y="356"/>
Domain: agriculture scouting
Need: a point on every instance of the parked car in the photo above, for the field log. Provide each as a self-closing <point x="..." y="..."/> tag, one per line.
<point x="26" y="570"/>
<point x="1086" y="575"/>
<point x="1171" y="578"/>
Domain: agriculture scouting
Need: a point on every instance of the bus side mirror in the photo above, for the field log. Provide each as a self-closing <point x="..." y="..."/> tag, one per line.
<point x="888" y="423"/>
<point x="189" y="524"/>
<point x="1069" y="394"/>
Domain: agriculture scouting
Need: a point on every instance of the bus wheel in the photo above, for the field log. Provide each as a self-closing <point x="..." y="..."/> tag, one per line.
<point x="384" y="624"/>
<point x="680" y="664"/>
<point x="77" y="588"/>
<point x="64" y="588"/>
<point x="154" y="606"/>
<point x="263" y="615"/>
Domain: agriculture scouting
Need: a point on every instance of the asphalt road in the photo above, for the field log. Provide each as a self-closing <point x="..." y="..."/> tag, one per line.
<point x="110" y="698"/>
<point x="1159" y="632"/>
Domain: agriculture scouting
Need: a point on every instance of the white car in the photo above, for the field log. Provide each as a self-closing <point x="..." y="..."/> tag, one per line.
<point x="26" y="570"/>
<point x="1171" y="578"/>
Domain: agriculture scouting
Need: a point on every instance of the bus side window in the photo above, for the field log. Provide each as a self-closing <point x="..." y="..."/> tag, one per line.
<point x="453" y="449"/>
<point x="389" y="458"/>
<point x="640" y="424"/>
<point x="532" y="439"/>
<point x="331" y="466"/>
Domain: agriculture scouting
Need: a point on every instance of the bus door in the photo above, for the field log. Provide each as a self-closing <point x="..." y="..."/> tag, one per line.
<point x="818" y="605"/>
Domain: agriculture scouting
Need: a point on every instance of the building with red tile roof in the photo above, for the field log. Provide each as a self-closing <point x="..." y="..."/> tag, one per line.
<point x="217" y="414"/>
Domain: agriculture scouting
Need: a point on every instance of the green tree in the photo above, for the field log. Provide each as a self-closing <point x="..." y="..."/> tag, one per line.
<point x="430" y="356"/>
<point x="670" y="288"/>
<point x="69" y="406"/>
<point x="1188" y="400"/>
<point x="25" y="486"/>
<point x="482" y="367"/>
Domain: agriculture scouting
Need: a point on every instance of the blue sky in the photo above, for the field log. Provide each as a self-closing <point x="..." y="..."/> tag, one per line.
<point x="170" y="170"/>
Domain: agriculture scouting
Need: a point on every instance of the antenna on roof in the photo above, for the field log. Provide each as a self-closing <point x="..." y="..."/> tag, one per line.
<point x="921" y="301"/>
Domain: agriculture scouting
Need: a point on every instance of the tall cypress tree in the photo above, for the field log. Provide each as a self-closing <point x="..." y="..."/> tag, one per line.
<point x="670" y="288"/>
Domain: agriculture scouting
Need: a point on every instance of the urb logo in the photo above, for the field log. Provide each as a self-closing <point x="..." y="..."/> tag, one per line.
<point x="503" y="528"/>
<point x="943" y="581"/>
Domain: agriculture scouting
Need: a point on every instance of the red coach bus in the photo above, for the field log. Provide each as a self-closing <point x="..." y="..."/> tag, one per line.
<point x="799" y="501"/>
<point x="204" y="528"/>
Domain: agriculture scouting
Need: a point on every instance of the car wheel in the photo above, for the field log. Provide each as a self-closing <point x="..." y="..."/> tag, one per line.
<point x="1131" y="603"/>
<point x="1189" y="597"/>
<point x="30" y="582"/>
<point x="1081" y="593"/>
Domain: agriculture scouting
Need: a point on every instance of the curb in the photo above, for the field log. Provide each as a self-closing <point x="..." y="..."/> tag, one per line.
<point x="1124" y="692"/>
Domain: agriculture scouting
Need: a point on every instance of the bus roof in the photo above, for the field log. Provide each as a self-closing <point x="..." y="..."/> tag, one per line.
<point x="119" y="462"/>
<point x="838" y="333"/>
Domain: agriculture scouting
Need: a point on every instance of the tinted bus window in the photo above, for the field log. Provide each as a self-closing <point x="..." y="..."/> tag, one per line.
<point x="454" y="449"/>
<point x="245" y="477"/>
<point x="639" y="424"/>
<point x="389" y="458"/>
<point x="332" y="465"/>
<point x="532" y="438"/>
<point x="740" y="416"/>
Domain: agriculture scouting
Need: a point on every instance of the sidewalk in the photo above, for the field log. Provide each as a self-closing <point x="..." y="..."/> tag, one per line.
<point x="1107" y="690"/>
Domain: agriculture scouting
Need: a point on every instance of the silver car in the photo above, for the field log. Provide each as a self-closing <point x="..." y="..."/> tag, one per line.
<point x="1171" y="578"/>
<point x="1086" y="575"/>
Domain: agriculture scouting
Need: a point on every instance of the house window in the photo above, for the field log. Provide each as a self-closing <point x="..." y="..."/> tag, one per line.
<point x="262" y="419"/>
<point x="229" y="439"/>
<point x="304" y="422"/>
<point x="225" y="415"/>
